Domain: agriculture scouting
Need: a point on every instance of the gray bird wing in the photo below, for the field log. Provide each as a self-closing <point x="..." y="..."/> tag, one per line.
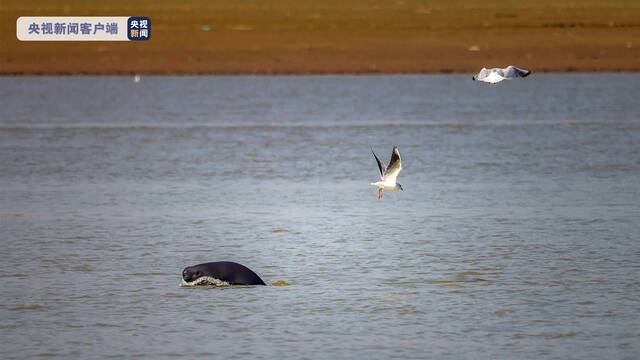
<point x="381" y="166"/>
<point x="395" y="165"/>
<point x="514" y="72"/>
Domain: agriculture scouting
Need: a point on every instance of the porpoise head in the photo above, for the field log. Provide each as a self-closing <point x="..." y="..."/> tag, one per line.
<point x="191" y="273"/>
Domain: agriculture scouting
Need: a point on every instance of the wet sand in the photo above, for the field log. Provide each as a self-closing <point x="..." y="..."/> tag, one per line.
<point x="297" y="37"/>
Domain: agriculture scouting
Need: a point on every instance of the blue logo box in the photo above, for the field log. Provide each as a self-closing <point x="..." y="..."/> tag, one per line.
<point x="139" y="28"/>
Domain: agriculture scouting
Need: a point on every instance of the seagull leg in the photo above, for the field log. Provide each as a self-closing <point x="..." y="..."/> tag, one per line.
<point x="379" y="194"/>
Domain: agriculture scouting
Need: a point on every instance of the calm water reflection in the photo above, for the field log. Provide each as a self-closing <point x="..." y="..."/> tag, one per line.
<point x="516" y="235"/>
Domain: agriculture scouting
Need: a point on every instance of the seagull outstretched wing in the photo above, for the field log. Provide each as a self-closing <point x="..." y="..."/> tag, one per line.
<point x="381" y="166"/>
<point x="395" y="165"/>
<point x="514" y="72"/>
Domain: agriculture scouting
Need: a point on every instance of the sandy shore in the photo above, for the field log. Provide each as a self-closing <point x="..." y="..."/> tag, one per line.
<point x="296" y="37"/>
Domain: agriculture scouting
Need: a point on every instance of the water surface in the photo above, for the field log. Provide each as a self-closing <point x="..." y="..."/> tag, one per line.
<point x="516" y="236"/>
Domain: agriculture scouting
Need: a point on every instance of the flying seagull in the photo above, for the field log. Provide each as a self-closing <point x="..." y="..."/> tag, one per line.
<point x="496" y="75"/>
<point x="388" y="174"/>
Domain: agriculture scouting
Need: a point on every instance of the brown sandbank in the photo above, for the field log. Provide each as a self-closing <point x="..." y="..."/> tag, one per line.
<point x="318" y="37"/>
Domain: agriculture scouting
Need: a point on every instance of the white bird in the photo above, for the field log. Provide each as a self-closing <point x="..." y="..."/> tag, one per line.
<point x="496" y="75"/>
<point x="389" y="174"/>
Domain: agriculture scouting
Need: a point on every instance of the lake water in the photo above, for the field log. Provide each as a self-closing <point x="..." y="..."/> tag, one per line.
<point x="517" y="235"/>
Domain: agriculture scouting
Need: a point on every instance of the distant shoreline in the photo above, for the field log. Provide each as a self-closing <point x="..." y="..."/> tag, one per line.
<point x="292" y="74"/>
<point x="351" y="37"/>
<point x="309" y="74"/>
